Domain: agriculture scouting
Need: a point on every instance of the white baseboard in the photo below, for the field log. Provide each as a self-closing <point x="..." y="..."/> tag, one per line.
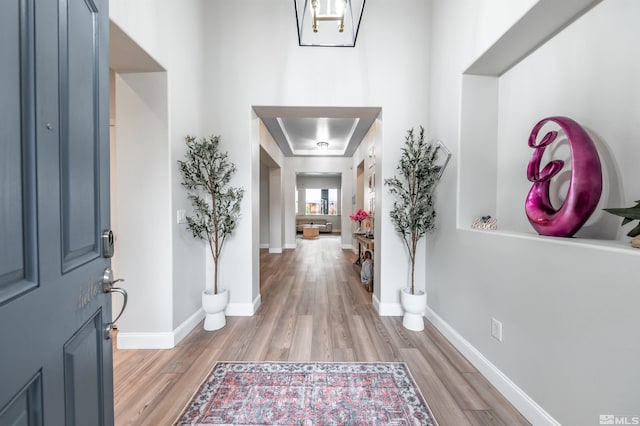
<point x="388" y="309"/>
<point x="145" y="340"/>
<point x="264" y="245"/>
<point x="275" y="250"/>
<point x="189" y="324"/>
<point x="243" y="309"/>
<point x="290" y="246"/>
<point x="516" y="396"/>
<point x="164" y="340"/>
<point x="347" y="247"/>
<point x="168" y="340"/>
<point x="375" y="302"/>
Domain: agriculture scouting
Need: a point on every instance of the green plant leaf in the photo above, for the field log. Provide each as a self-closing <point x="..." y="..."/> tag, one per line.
<point x="631" y="213"/>
<point x="634" y="232"/>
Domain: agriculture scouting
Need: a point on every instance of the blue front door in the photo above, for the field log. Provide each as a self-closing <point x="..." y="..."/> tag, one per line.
<point x="55" y="358"/>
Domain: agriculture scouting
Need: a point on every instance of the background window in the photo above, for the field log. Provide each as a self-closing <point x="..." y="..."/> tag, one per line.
<point x="321" y="201"/>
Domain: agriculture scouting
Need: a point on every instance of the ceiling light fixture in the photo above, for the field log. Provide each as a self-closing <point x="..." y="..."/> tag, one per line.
<point x="312" y="17"/>
<point x="323" y="146"/>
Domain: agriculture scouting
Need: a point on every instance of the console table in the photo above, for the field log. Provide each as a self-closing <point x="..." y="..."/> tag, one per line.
<point x="367" y="244"/>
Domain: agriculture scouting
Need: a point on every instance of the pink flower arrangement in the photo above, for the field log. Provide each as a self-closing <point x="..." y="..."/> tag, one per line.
<point x="359" y="215"/>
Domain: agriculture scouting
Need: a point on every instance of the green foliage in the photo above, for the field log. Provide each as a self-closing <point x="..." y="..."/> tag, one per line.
<point x="413" y="215"/>
<point x="629" y="214"/>
<point x="206" y="174"/>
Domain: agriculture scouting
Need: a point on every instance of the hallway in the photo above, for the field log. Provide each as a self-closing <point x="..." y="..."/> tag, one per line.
<point x="313" y="309"/>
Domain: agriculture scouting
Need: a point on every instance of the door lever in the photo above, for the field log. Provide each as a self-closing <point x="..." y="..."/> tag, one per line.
<point x="107" y="287"/>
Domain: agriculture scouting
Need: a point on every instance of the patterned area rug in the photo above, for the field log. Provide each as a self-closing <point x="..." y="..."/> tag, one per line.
<point x="276" y="393"/>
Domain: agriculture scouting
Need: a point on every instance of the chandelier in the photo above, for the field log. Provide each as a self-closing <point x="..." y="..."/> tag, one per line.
<point x="330" y="23"/>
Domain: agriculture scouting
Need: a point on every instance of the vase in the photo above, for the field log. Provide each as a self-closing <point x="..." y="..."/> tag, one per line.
<point x="359" y="230"/>
<point x="214" y="306"/>
<point x="414" y="306"/>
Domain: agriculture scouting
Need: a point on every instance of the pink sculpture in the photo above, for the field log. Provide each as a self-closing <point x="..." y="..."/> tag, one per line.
<point x="585" y="186"/>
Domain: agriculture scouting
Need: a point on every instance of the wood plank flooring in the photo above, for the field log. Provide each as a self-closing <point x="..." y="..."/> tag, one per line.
<point x="313" y="309"/>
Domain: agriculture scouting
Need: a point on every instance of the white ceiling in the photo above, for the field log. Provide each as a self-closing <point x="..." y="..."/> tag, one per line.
<point x="297" y="130"/>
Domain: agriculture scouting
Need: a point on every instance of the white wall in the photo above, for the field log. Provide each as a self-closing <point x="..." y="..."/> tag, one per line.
<point x="255" y="60"/>
<point x="276" y="220"/>
<point x="141" y="156"/>
<point x="171" y="33"/>
<point x="271" y="185"/>
<point x="568" y="308"/>
<point x="264" y="205"/>
<point x="366" y="199"/>
<point x="319" y="182"/>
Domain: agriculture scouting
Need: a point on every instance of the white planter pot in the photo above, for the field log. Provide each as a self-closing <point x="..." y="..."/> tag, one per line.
<point x="214" y="306"/>
<point x="414" y="306"/>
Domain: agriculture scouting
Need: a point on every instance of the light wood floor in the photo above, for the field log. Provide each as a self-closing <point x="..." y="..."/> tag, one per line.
<point x="313" y="309"/>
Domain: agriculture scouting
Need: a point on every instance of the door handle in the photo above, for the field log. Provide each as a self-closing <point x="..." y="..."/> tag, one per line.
<point x="107" y="287"/>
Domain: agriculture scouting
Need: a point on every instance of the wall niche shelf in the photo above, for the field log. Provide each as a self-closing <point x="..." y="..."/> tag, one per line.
<point x="482" y="175"/>
<point x="603" y="245"/>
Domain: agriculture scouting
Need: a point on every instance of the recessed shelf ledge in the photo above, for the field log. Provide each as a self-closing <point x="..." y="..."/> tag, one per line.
<point x="616" y="246"/>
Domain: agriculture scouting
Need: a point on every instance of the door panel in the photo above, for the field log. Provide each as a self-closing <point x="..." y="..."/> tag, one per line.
<point x="78" y="133"/>
<point x="83" y="375"/>
<point x="11" y="255"/>
<point x="17" y="251"/>
<point x="55" y="364"/>
<point x="26" y="407"/>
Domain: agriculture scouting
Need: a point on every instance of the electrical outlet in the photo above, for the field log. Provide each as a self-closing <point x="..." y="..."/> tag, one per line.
<point x="496" y="329"/>
<point x="181" y="216"/>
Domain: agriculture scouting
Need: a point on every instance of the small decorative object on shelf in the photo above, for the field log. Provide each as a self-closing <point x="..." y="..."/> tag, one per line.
<point x="485" y="223"/>
<point x="629" y="214"/>
<point x="585" y="186"/>
<point x="359" y="216"/>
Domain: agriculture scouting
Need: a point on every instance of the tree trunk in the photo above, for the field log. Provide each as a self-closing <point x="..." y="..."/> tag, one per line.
<point x="215" y="276"/>
<point x="412" y="255"/>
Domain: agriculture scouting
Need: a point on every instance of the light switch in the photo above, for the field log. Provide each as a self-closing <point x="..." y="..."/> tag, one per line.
<point x="181" y="216"/>
<point x="496" y="329"/>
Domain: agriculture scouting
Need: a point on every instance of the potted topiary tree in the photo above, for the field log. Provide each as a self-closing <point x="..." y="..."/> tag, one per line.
<point x="206" y="174"/>
<point x="413" y="215"/>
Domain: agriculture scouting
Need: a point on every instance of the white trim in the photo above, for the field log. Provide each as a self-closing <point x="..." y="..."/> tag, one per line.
<point x="168" y="340"/>
<point x="264" y="245"/>
<point x="375" y="302"/>
<point x="145" y="340"/>
<point x="290" y="246"/>
<point x="347" y="247"/>
<point x="243" y="309"/>
<point x="388" y="309"/>
<point x="516" y="396"/>
<point x="275" y="250"/>
<point x="160" y="340"/>
<point x="187" y="325"/>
